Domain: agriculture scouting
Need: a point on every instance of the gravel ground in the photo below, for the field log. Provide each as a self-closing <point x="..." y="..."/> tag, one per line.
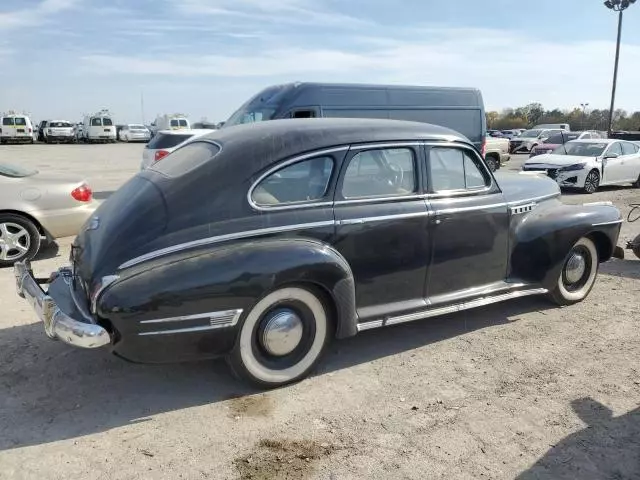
<point x="514" y="390"/>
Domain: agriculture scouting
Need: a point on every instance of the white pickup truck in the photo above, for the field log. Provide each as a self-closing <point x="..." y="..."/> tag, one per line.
<point x="496" y="152"/>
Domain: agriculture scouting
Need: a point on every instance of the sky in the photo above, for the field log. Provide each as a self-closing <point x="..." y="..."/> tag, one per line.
<point x="204" y="58"/>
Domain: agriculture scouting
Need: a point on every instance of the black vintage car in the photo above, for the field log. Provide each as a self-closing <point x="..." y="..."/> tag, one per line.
<point x="263" y="242"/>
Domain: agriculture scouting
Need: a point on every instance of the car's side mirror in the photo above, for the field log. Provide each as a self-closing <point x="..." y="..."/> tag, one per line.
<point x="611" y="155"/>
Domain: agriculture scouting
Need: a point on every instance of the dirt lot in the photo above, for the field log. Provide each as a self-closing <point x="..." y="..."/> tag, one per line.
<point x="515" y="390"/>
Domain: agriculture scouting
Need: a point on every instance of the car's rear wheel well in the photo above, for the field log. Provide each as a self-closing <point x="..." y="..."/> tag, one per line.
<point x="324" y="296"/>
<point x="40" y="228"/>
<point x="603" y="245"/>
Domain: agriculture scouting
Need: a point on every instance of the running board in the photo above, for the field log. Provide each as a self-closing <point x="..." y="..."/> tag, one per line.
<point x="449" y="309"/>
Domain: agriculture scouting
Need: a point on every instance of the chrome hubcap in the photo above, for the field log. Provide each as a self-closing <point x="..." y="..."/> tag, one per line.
<point x="282" y="333"/>
<point x="575" y="268"/>
<point x="14" y="241"/>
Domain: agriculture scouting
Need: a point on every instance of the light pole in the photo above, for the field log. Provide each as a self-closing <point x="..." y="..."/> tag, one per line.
<point x="584" y="114"/>
<point x="617" y="6"/>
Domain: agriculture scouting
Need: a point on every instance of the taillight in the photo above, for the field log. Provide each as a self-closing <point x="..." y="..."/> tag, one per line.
<point x="484" y="146"/>
<point x="30" y="131"/>
<point x="160" y="154"/>
<point x="83" y="193"/>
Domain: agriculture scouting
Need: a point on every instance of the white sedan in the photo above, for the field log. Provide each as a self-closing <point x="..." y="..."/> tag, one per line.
<point x="588" y="164"/>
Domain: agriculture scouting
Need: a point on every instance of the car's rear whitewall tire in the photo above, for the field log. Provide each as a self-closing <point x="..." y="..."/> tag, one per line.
<point x="578" y="274"/>
<point x="281" y="338"/>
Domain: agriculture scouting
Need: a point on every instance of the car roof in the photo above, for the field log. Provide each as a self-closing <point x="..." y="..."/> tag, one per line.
<point x="192" y="131"/>
<point x="597" y="140"/>
<point x="297" y="135"/>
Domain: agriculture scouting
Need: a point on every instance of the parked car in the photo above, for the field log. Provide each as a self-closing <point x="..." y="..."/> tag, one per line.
<point x="16" y="128"/>
<point x="529" y="139"/>
<point x="98" y="128"/>
<point x="57" y="131"/>
<point x="554" y="141"/>
<point x="496" y="152"/>
<point x="264" y="242"/>
<point x="36" y="207"/>
<point x="510" y="133"/>
<point x="495" y="133"/>
<point x="461" y="109"/>
<point x="133" y="132"/>
<point x="588" y="164"/>
<point x="165" y="142"/>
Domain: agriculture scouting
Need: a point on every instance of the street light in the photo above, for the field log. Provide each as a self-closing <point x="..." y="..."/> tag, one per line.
<point x="584" y="114"/>
<point x="617" y="6"/>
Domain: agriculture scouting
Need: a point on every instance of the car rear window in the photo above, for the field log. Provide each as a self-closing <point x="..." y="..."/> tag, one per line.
<point x="168" y="140"/>
<point x="96" y="122"/>
<point x="186" y="159"/>
<point x="60" y="124"/>
<point x="174" y="123"/>
<point x="21" y="121"/>
<point x="183" y="123"/>
<point x="7" y="121"/>
<point x="107" y="122"/>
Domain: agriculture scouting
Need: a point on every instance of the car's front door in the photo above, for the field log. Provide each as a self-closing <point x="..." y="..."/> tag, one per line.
<point x="471" y="225"/>
<point x="613" y="164"/>
<point x="382" y="227"/>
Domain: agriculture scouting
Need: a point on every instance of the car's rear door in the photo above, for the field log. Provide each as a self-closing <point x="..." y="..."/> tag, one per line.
<point x="631" y="162"/>
<point x="471" y="224"/>
<point x="613" y="170"/>
<point x="382" y="227"/>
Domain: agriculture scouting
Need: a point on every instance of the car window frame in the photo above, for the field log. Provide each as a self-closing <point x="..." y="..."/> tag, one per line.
<point x="337" y="154"/>
<point x="631" y="145"/>
<point x="489" y="189"/>
<point x="355" y="150"/>
<point x="609" y="149"/>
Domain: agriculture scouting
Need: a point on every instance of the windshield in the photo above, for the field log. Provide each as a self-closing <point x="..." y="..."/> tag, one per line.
<point x="559" y="139"/>
<point x="14" y="171"/>
<point x="107" y="122"/>
<point x="580" y="149"/>
<point x="60" y="124"/>
<point x="531" y="133"/>
<point x="259" y="108"/>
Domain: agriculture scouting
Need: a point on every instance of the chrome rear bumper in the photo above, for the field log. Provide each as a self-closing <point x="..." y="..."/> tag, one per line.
<point x="57" y="324"/>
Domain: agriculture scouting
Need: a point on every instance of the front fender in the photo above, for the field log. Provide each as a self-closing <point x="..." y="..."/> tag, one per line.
<point x="543" y="237"/>
<point x="229" y="277"/>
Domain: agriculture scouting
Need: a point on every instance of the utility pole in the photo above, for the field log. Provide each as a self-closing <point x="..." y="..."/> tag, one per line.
<point x="142" y="106"/>
<point x="617" y="6"/>
<point x="584" y="115"/>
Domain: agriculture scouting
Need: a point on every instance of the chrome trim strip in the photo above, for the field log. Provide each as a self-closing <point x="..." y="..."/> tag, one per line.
<point x="603" y="203"/>
<point x="105" y="282"/>
<point x="470" y="209"/>
<point x="282" y="165"/>
<point x="613" y="222"/>
<point x="180" y="330"/>
<point x="357" y="221"/>
<point x="368" y="146"/>
<point x="449" y="309"/>
<point x="534" y="199"/>
<point x="398" y="198"/>
<point x="460" y="193"/>
<point x="222" y="238"/>
<point x="234" y="314"/>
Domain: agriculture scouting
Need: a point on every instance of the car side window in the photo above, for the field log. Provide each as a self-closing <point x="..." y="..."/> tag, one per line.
<point x="303" y="181"/>
<point x="455" y="169"/>
<point x="627" y="148"/>
<point x="615" y="148"/>
<point x="380" y="172"/>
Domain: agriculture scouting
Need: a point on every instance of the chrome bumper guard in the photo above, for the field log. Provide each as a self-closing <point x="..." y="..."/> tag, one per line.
<point x="57" y="324"/>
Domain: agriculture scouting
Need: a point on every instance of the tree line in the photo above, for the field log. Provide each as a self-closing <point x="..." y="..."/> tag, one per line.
<point x="579" y="119"/>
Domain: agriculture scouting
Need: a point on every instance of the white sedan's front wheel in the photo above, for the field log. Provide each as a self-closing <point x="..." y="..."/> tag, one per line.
<point x="592" y="182"/>
<point x="578" y="274"/>
<point x="282" y="338"/>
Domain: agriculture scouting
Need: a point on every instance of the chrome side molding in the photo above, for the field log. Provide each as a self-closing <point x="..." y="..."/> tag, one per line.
<point x="211" y="321"/>
<point x="449" y="309"/>
<point x="523" y="208"/>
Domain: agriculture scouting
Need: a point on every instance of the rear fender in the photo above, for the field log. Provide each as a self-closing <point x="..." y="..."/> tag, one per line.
<point x="230" y="277"/>
<point x="543" y="238"/>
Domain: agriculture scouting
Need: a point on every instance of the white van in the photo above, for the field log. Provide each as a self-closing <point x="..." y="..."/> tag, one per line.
<point x="553" y="126"/>
<point x="173" y="121"/>
<point x="15" y="127"/>
<point x="99" y="127"/>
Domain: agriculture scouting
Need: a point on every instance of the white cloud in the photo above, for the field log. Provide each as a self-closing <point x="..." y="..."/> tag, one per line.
<point x="563" y="74"/>
<point x="34" y="15"/>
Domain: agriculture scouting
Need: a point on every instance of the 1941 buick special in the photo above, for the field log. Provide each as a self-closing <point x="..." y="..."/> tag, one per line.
<point x="263" y="242"/>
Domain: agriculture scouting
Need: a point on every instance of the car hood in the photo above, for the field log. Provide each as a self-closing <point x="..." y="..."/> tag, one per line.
<point x="550" y="160"/>
<point x="517" y="187"/>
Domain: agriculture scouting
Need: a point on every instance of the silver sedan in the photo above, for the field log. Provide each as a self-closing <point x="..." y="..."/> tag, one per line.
<point x="37" y="208"/>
